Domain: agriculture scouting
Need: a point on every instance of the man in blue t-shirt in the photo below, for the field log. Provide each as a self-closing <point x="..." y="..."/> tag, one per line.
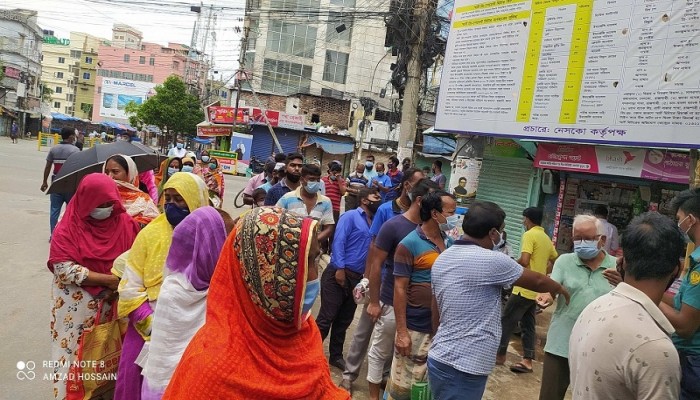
<point x="381" y="297"/>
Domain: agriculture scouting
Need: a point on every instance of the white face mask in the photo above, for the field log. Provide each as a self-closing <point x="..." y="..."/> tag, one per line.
<point x="101" y="213"/>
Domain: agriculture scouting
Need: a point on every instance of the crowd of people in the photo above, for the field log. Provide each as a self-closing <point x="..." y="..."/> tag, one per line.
<point x="221" y="308"/>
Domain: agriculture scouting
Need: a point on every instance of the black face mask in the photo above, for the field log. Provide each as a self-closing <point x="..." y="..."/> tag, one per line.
<point x="293" y="178"/>
<point x="373" y="206"/>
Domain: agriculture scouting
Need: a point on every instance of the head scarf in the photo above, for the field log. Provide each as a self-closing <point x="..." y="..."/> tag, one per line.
<point x="254" y="319"/>
<point x="199" y="238"/>
<point x="137" y="203"/>
<point x="92" y="243"/>
<point x="162" y="175"/>
<point x="147" y="256"/>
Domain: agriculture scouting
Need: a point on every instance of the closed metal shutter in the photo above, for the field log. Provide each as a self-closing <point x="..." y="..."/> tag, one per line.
<point x="289" y="140"/>
<point x="262" y="143"/>
<point x="507" y="182"/>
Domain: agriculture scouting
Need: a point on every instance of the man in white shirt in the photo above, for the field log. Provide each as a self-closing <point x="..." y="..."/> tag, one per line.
<point x="612" y="240"/>
<point x="179" y="150"/>
<point x="620" y="347"/>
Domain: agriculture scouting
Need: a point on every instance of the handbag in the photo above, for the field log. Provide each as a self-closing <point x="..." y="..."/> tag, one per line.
<point x="94" y="369"/>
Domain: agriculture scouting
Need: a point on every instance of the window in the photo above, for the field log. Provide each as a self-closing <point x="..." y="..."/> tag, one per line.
<point x="61" y="60"/>
<point x="343" y="3"/>
<point x="126" y="58"/>
<point x="339" y="28"/>
<point x="142" y="60"/>
<point x="176" y="65"/>
<point x="75" y="53"/>
<point x="336" y="66"/>
<point x="59" y="75"/>
<point x="56" y="104"/>
<point x="294" y="39"/>
<point x="58" y="90"/>
<point x="70" y="82"/>
<point x="285" y="77"/>
<point x="302" y="6"/>
<point x="86" y="75"/>
<point x="42" y="57"/>
<point x="152" y="61"/>
<point x="70" y="97"/>
<point x="128" y="75"/>
<point x="88" y="60"/>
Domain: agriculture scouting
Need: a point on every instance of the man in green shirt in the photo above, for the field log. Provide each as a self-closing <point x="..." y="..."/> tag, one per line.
<point x="587" y="274"/>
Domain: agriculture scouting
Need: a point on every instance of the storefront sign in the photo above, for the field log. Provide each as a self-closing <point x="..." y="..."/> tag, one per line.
<point x="599" y="71"/>
<point x="291" y="121"/>
<point x="508" y="148"/>
<point x="224" y="115"/>
<point x="55" y="40"/>
<point x="12" y="72"/>
<point x="214" y="130"/>
<point x="660" y="165"/>
<point x="227" y="160"/>
<point x="272" y="116"/>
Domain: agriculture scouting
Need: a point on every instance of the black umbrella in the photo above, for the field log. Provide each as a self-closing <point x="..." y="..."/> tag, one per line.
<point x="86" y="162"/>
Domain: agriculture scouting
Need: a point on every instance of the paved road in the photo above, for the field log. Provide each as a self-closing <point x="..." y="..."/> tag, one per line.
<point x="25" y="294"/>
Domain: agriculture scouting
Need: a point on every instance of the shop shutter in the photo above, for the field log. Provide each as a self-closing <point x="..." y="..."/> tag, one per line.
<point x="262" y="143"/>
<point x="289" y="140"/>
<point x="507" y="182"/>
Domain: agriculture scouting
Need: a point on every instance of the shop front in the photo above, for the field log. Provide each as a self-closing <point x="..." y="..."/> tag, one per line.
<point x="628" y="181"/>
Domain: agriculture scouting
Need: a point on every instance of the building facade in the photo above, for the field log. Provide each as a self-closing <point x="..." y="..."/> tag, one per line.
<point x="20" y="53"/>
<point x="84" y="72"/>
<point x="58" y="63"/>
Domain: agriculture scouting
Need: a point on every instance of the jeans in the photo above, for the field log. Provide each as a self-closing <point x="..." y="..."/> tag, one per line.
<point x="690" y="379"/>
<point x="337" y="309"/>
<point x="57" y="200"/>
<point x="520" y="309"/>
<point x="448" y="383"/>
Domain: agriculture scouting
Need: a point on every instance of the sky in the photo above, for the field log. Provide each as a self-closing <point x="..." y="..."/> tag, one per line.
<point x="161" y="21"/>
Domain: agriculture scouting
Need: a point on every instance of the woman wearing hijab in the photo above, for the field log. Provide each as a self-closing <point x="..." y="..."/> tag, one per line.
<point x="168" y="167"/>
<point x="182" y="302"/>
<point x="93" y="232"/>
<point x="143" y="275"/>
<point x="214" y="178"/>
<point x="258" y="341"/>
<point x="138" y="204"/>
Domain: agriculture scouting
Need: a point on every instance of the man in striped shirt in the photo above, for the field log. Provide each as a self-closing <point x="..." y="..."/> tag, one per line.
<point x="335" y="187"/>
<point x="57" y="156"/>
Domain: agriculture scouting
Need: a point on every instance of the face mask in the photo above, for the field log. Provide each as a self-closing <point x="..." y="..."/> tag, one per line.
<point x="205" y="159"/>
<point x="293" y="178"/>
<point x="175" y="214"/>
<point x="587" y="249"/>
<point x="686" y="236"/>
<point x="380" y="173"/>
<point x="450" y="223"/>
<point x="180" y="145"/>
<point x="498" y="245"/>
<point x="332" y="177"/>
<point x="313" y="187"/>
<point x="172" y="170"/>
<point x="373" y="207"/>
<point x="101" y="213"/>
<point x="369" y="165"/>
<point x="187" y="168"/>
<point x="212" y="166"/>
<point x="312" y="289"/>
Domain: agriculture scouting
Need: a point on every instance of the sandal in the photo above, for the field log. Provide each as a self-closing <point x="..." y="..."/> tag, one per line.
<point x="520" y="368"/>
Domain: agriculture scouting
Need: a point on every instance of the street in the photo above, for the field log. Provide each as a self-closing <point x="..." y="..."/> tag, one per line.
<point x="24" y="247"/>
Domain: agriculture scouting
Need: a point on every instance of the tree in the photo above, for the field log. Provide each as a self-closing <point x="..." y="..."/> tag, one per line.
<point x="172" y="108"/>
<point x="46" y="93"/>
<point x="132" y="110"/>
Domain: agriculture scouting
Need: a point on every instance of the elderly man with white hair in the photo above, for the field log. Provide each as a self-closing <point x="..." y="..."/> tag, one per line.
<point x="587" y="273"/>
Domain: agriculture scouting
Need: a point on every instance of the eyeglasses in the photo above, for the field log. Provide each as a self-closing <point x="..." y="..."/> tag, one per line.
<point x="580" y="241"/>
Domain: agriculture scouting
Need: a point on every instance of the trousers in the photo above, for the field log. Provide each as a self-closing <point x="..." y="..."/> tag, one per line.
<point x="337" y="309"/>
<point x="519" y="308"/>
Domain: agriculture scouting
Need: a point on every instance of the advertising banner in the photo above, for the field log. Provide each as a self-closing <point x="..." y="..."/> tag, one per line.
<point x="598" y="71"/>
<point x="464" y="179"/>
<point x="241" y="144"/>
<point x="213" y="130"/>
<point x="117" y="93"/>
<point x="227" y="160"/>
<point x="291" y="121"/>
<point x="224" y="115"/>
<point x="272" y="116"/>
<point x="659" y="165"/>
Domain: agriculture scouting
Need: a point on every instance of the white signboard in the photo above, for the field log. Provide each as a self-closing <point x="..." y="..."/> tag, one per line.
<point x="117" y="93"/>
<point x="291" y="121"/>
<point x="609" y="71"/>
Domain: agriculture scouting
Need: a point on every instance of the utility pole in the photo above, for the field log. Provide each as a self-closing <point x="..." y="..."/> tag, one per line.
<point x="409" y="110"/>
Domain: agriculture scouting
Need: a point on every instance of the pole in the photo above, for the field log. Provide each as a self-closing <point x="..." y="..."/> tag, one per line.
<point x="264" y="114"/>
<point x="409" y="109"/>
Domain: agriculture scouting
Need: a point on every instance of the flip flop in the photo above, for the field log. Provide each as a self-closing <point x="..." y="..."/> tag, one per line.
<point x="520" y="368"/>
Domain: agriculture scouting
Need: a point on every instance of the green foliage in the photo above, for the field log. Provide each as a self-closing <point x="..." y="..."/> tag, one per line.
<point x="132" y="110"/>
<point x="46" y="93"/>
<point x="172" y="106"/>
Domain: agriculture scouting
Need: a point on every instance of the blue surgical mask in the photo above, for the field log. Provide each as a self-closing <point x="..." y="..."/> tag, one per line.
<point x="586" y="249"/>
<point x="380" y="173"/>
<point x="172" y="170"/>
<point x="313" y="187"/>
<point x="312" y="290"/>
<point x="175" y="214"/>
<point x="212" y="165"/>
<point x="101" y="213"/>
<point x="205" y="159"/>
<point x="450" y="223"/>
<point x="369" y="165"/>
<point x="187" y="168"/>
<point x="180" y="145"/>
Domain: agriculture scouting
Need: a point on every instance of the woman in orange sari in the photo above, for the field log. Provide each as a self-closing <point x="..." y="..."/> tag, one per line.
<point x="259" y="341"/>
<point x="138" y="204"/>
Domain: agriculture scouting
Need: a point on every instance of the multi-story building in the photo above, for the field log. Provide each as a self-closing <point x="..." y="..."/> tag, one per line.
<point x="84" y="72"/>
<point x="20" y="52"/>
<point x="126" y="74"/>
<point x="57" y="72"/>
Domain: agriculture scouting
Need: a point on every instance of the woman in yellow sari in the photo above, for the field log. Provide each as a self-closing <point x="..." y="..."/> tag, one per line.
<point x="138" y="204"/>
<point x="143" y="275"/>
